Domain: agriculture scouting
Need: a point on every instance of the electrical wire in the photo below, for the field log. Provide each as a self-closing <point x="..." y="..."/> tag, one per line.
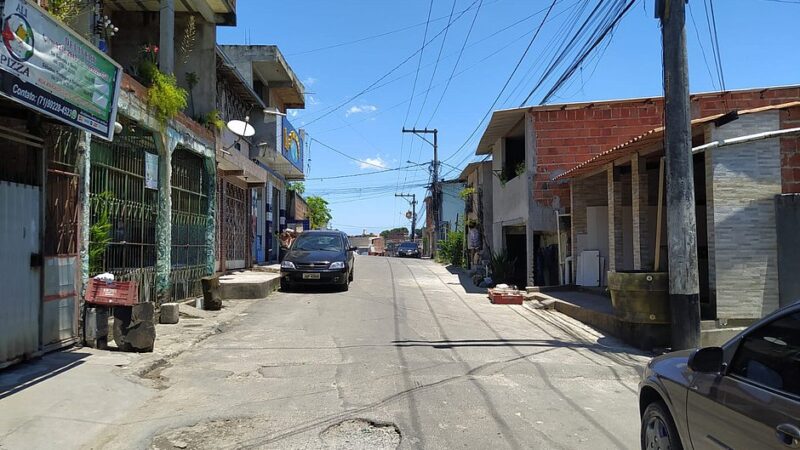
<point x="455" y="66"/>
<point x="508" y="80"/>
<point x="436" y="64"/>
<point x="702" y="47"/>
<point x="338" y="106"/>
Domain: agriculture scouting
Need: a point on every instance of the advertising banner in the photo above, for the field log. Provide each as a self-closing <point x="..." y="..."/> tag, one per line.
<point x="51" y="69"/>
<point x="292" y="144"/>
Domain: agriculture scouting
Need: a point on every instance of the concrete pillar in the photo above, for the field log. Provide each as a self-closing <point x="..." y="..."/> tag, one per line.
<point x="210" y="166"/>
<point x="636" y="207"/>
<point x="84" y="168"/>
<point x="166" y="37"/>
<point x="530" y="183"/>
<point x="165" y="146"/>
<point x="614" y="220"/>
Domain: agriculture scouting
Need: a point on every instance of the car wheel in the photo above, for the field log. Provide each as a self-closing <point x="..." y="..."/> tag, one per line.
<point x="345" y="287"/>
<point x="658" y="429"/>
<point x="285" y="286"/>
<point x="350" y="278"/>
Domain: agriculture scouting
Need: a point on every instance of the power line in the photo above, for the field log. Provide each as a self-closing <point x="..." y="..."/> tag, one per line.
<point x="455" y="66"/>
<point x="419" y="62"/>
<point x="362" y="174"/>
<point x="367" y="38"/>
<point x="716" y="45"/>
<point x="436" y="64"/>
<point x="702" y="47"/>
<point x="360" y="161"/>
<point x="381" y="78"/>
<point x="571" y="70"/>
<point x="508" y="80"/>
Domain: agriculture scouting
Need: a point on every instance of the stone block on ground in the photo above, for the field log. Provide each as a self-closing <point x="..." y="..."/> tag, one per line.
<point x="169" y="313"/>
<point x="212" y="299"/>
<point x="134" y="327"/>
<point x="96" y="327"/>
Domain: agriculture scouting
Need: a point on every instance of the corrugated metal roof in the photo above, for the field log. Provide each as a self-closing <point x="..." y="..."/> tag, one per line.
<point x="656" y="135"/>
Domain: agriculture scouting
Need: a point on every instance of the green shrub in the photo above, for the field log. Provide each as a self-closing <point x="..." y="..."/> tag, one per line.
<point x="166" y="97"/>
<point x="100" y="232"/>
<point x="502" y="266"/>
<point x="451" y="249"/>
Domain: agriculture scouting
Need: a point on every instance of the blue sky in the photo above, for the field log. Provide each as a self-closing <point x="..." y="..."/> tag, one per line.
<point x="758" y="43"/>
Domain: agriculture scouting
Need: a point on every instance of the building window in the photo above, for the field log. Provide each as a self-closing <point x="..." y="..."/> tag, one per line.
<point x="514" y="158"/>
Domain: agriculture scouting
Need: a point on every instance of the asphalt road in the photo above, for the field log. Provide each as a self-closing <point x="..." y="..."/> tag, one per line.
<point x="407" y="350"/>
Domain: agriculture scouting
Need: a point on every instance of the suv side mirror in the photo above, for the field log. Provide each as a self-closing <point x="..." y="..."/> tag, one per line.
<point x="707" y="360"/>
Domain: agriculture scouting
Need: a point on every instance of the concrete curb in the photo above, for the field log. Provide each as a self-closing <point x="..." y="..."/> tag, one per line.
<point x="251" y="290"/>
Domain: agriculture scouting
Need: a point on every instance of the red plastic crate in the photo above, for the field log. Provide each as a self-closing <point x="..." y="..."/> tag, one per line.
<point x="115" y="293"/>
<point x="504" y="297"/>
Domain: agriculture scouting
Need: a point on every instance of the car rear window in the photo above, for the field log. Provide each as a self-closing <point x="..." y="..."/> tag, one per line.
<point x="408" y="246"/>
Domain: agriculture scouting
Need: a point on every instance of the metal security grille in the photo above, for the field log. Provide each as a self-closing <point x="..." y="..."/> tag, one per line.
<point x="118" y="197"/>
<point x="235" y="224"/>
<point x="189" y="219"/>
<point x="61" y="222"/>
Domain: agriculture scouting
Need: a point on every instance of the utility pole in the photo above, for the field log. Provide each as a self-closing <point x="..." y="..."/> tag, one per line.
<point x="684" y="290"/>
<point x="435" y="197"/>
<point x="413" y="203"/>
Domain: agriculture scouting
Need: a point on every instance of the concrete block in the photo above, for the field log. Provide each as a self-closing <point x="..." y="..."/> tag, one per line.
<point x="170" y="313"/>
<point x="134" y="327"/>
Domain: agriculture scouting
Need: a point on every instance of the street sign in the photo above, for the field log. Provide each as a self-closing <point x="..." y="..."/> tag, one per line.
<point x="49" y="68"/>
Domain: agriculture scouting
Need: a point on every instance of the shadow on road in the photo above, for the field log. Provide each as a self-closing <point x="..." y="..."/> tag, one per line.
<point x="318" y="289"/>
<point x="448" y="344"/>
<point x="20" y="377"/>
<point x="465" y="281"/>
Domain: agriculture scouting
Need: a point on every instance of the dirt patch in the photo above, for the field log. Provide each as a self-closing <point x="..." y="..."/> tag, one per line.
<point x="361" y="434"/>
<point x="212" y="434"/>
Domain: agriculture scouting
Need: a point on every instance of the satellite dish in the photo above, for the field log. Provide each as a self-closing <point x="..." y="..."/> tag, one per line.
<point x="241" y="128"/>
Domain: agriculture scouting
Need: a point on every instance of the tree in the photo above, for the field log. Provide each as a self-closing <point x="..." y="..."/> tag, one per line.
<point x="319" y="214"/>
<point x="387" y="233"/>
<point x="297" y="186"/>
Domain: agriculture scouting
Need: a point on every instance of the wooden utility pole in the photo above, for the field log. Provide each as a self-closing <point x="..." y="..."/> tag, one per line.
<point x="684" y="286"/>
<point x="435" y="197"/>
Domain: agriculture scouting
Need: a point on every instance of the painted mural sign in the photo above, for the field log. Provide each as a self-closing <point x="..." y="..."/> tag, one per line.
<point x="51" y="69"/>
<point x="292" y="144"/>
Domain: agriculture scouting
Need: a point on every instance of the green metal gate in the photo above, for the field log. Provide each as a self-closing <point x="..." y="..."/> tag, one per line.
<point x="189" y="218"/>
<point x="122" y="237"/>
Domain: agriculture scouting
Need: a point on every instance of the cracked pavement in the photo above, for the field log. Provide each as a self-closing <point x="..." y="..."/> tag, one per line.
<point x="406" y="346"/>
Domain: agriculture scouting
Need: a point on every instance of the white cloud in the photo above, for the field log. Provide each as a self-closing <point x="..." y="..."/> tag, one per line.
<point x="372" y="163"/>
<point x="357" y="109"/>
<point x="292" y="113"/>
<point x="313" y="100"/>
<point x="309" y="81"/>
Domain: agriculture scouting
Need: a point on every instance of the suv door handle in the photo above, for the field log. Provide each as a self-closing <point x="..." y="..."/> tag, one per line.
<point x="788" y="434"/>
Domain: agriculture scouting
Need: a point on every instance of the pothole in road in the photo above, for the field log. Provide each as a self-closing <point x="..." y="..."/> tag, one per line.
<point x="361" y="434"/>
<point x="211" y="434"/>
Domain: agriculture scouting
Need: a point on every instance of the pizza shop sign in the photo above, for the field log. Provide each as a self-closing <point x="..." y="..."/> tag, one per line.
<point x="51" y="69"/>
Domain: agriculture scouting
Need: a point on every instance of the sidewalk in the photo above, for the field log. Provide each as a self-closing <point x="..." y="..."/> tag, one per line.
<point x="67" y="398"/>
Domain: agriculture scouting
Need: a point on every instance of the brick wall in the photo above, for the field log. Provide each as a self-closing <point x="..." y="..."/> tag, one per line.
<point x="575" y="133"/>
<point x="744" y="180"/>
<point x="790" y="152"/>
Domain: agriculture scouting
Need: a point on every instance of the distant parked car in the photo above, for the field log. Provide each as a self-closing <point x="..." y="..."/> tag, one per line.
<point x="408" y="249"/>
<point x="318" y="257"/>
<point x="745" y="394"/>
